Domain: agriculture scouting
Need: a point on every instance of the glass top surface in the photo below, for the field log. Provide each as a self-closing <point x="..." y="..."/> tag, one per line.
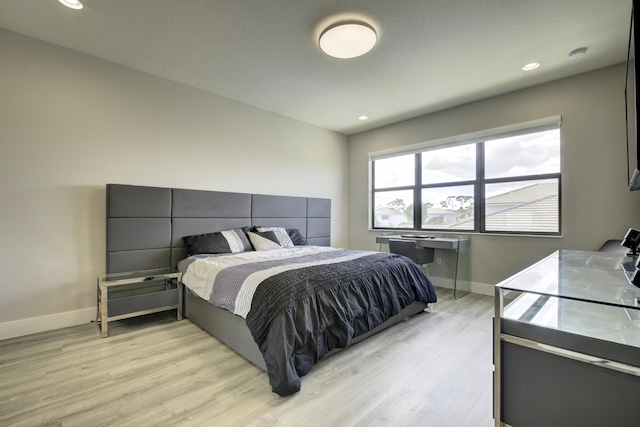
<point x="597" y="277"/>
<point x="134" y="274"/>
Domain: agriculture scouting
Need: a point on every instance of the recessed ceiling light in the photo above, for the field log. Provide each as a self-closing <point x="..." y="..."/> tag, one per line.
<point x="531" y="66"/>
<point x="348" y="39"/>
<point x="73" y="4"/>
<point x="363" y="118"/>
<point x="577" y="53"/>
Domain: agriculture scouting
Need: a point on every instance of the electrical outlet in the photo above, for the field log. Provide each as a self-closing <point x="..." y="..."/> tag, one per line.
<point x="438" y="260"/>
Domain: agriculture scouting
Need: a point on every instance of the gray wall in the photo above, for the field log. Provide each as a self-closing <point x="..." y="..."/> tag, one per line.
<point x="596" y="205"/>
<point x="71" y="123"/>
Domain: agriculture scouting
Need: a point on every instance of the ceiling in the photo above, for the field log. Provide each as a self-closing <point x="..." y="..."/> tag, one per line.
<point x="431" y="54"/>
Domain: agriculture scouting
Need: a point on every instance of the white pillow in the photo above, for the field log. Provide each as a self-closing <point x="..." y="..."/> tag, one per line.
<point x="263" y="240"/>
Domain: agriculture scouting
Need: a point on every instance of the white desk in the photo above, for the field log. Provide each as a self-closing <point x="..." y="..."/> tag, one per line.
<point x="446" y="243"/>
<point x="427" y="242"/>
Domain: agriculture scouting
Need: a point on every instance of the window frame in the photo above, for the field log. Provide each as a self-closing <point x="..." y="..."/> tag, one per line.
<point x="479" y="183"/>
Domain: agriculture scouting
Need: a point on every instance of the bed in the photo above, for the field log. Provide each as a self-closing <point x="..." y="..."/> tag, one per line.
<point x="146" y="229"/>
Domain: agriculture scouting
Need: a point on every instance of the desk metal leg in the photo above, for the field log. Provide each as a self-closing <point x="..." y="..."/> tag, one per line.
<point x="455" y="275"/>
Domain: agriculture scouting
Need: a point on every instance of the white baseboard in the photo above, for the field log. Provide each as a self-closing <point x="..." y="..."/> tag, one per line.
<point x="473" y="287"/>
<point x="483" y="289"/>
<point x="18" y="328"/>
<point x="34" y="325"/>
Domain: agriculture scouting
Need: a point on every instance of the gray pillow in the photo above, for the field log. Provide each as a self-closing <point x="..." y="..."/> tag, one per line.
<point x="296" y="237"/>
<point x="221" y="242"/>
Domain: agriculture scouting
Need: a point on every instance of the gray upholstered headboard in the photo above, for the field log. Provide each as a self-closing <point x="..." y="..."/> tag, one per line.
<point x="145" y="225"/>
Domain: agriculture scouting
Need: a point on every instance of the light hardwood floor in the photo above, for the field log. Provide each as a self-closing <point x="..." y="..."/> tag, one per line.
<point x="431" y="370"/>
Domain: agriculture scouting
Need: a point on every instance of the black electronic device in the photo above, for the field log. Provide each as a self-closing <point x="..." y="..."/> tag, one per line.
<point x="635" y="278"/>
<point x="632" y="97"/>
<point x="631" y="240"/>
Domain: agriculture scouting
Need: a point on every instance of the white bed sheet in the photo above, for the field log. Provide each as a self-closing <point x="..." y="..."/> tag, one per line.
<point x="201" y="274"/>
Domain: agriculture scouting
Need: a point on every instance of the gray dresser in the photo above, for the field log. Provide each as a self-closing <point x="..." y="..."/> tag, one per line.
<point x="567" y="343"/>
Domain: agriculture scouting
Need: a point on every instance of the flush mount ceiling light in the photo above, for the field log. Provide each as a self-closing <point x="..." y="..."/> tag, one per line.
<point x="348" y="39"/>
<point x="363" y="118"/>
<point x="577" y="53"/>
<point x="73" y="4"/>
<point x="531" y="66"/>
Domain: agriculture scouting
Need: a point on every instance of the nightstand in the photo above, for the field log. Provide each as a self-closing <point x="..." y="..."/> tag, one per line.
<point x="134" y="293"/>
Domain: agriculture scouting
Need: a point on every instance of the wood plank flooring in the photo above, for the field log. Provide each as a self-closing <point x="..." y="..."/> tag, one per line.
<point x="431" y="370"/>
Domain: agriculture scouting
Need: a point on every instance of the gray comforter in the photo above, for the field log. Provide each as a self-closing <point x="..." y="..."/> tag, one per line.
<point x="298" y="316"/>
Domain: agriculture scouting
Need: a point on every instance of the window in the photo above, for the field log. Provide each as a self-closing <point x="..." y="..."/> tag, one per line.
<point x="503" y="181"/>
<point x="395" y="180"/>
